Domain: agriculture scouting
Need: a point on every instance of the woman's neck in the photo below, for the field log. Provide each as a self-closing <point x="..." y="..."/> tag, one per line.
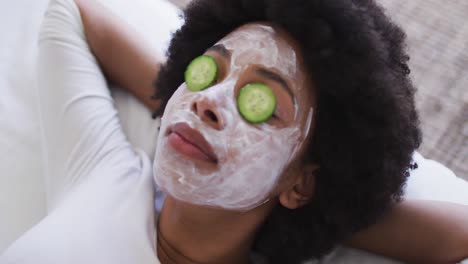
<point x="194" y="234"/>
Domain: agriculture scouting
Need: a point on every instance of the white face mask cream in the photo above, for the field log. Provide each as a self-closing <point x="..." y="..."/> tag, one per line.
<point x="250" y="158"/>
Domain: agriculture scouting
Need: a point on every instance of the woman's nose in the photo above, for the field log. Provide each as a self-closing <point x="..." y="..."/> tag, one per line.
<point x="208" y="113"/>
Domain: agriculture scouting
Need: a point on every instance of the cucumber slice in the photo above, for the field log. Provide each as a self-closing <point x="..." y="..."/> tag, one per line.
<point x="256" y="102"/>
<point x="201" y="73"/>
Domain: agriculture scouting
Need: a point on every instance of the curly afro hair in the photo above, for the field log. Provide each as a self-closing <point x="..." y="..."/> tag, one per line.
<point x="366" y="124"/>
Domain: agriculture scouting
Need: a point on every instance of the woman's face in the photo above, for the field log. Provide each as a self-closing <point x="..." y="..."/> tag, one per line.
<point x="207" y="153"/>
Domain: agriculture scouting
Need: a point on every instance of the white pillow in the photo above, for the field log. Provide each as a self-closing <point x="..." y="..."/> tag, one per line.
<point x="22" y="201"/>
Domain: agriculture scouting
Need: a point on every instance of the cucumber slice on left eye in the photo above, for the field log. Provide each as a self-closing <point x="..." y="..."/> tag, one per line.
<point x="201" y="73"/>
<point x="256" y="102"/>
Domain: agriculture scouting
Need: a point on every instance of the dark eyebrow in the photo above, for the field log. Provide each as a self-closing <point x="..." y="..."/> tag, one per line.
<point x="276" y="78"/>
<point x="221" y="49"/>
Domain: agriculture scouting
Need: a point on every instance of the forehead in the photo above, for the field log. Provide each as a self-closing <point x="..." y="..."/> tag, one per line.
<point x="262" y="44"/>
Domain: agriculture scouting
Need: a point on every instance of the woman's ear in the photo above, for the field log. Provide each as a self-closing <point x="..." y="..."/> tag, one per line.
<point x="302" y="191"/>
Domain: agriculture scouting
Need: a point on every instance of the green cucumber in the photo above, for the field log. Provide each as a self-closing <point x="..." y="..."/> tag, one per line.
<point x="256" y="102"/>
<point x="201" y="73"/>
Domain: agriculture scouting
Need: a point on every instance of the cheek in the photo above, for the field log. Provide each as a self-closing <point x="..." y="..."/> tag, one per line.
<point x="180" y="97"/>
<point x="266" y="150"/>
<point x="178" y="107"/>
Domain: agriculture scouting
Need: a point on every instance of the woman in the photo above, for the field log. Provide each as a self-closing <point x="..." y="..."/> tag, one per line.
<point x="329" y="160"/>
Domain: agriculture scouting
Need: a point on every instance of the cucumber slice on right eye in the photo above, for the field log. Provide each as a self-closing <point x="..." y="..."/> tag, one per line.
<point x="256" y="102"/>
<point x="201" y="73"/>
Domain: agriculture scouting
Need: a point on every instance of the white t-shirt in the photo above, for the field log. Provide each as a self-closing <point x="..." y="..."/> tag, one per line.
<point x="100" y="188"/>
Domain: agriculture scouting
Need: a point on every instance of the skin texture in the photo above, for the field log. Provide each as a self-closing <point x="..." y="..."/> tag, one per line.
<point x="234" y="182"/>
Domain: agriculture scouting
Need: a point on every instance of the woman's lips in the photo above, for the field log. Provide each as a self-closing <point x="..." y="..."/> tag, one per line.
<point x="190" y="143"/>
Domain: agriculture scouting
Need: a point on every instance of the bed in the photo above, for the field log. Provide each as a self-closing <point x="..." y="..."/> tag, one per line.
<point x="22" y="188"/>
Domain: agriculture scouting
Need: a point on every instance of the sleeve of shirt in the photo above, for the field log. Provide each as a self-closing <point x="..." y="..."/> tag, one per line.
<point x="80" y="128"/>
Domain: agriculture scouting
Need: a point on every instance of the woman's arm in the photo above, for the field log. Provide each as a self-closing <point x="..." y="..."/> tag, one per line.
<point x="418" y="231"/>
<point x="124" y="56"/>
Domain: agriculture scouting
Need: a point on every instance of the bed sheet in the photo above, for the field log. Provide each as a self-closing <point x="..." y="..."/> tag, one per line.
<point x="21" y="186"/>
<point x="22" y="194"/>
